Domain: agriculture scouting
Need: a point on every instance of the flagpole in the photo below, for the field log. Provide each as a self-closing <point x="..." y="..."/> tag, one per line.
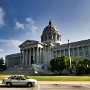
<point x="69" y="57"/>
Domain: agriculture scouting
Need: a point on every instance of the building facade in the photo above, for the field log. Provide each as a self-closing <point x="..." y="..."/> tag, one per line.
<point x="35" y="52"/>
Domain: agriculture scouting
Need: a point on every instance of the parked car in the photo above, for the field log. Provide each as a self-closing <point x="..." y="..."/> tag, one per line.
<point x="19" y="80"/>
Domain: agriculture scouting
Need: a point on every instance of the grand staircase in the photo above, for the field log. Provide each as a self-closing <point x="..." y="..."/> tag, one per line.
<point x="34" y="69"/>
<point x="39" y="71"/>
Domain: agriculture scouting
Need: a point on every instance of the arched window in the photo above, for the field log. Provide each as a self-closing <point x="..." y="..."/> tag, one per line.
<point x="49" y="36"/>
<point x="57" y="36"/>
<point x="45" y="36"/>
<point x="53" y="35"/>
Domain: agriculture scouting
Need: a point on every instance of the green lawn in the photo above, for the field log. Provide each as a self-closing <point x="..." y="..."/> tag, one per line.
<point x="61" y="78"/>
<point x="55" y="78"/>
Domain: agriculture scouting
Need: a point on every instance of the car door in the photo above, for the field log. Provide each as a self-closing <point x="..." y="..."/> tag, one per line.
<point x="13" y="81"/>
<point x="22" y="81"/>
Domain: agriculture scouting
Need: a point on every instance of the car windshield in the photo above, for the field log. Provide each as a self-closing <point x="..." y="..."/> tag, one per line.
<point x="26" y="77"/>
<point x="9" y="77"/>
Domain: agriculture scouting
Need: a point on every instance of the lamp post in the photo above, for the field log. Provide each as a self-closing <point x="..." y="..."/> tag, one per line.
<point x="69" y="57"/>
<point x="87" y="71"/>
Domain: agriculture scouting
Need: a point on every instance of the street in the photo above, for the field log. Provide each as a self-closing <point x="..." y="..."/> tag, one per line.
<point x="52" y="86"/>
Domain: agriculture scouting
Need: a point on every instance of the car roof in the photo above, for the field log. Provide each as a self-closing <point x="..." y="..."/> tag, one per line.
<point x="17" y="75"/>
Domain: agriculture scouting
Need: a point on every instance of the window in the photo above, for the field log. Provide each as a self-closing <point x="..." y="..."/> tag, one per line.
<point x="66" y="52"/>
<point x="80" y="49"/>
<point x="71" y="52"/>
<point x="54" y="53"/>
<point x="58" y="52"/>
<point x="57" y="36"/>
<point x="75" y="52"/>
<point x="62" y="52"/>
<point x="49" y="36"/>
<point x="86" y="51"/>
<point x="53" y="35"/>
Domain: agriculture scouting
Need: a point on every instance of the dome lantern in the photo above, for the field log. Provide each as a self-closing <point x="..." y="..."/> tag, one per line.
<point x="50" y="22"/>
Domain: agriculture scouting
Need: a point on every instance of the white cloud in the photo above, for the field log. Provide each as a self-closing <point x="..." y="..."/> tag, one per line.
<point x="30" y="26"/>
<point x="1" y="17"/>
<point x="2" y="55"/>
<point x="1" y="50"/>
<point x="19" y="25"/>
<point x="28" y="19"/>
<point x="33" y="28"/>
<point x="11" y="42"/>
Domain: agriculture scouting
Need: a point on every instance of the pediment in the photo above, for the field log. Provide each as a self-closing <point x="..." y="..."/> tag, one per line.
<point x="28" y="42"/>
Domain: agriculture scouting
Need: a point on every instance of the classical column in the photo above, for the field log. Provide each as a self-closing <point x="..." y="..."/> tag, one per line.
<point x="13" y="62"/>
<point x="30" y="57"/>
<point x="60" y="53"/>
<point x="64" y="51"/>
<point x="51" y="35"/>
<point x="20" y="56"/>
<point x="37" y="55"/>
<point x="10" y="63"/>
<point x="45" y="56"/>
<point x="73" y="52"/>
<point x="23" y="60"/>
<point x="34" y="55"/>
<point x="55" y="37"/>
<point x="83" y="52"/>
<point x="51" y="54"/>
<point x="56" y="53"/>
<point x="59" y="37"/>
<point x="26" y="57"/>
<point x="6" y="62"/>
<point x="78" y="51"/>
<point x="40" y="55"/>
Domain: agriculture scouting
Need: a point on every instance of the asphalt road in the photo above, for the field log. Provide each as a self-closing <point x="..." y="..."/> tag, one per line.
<point x="49" y="85"/>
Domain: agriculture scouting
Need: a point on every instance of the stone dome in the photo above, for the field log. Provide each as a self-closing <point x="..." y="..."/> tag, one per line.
<point x="50" y="34"/>
<point x="50" y="28"/>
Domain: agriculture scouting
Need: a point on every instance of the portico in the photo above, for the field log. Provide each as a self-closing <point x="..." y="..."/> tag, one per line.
<point x="31" y="52"/>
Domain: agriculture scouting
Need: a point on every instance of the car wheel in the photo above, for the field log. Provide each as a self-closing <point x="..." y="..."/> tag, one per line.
<point x="8" y="84"/>
<point x="29" y="84"/>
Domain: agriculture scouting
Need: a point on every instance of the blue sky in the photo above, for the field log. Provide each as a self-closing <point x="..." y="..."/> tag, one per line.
<point x="25" y="19"/>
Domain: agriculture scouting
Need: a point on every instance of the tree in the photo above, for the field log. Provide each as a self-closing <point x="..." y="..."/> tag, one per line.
<point x="59" y="63"/>
<point x="87" y="66"/>
<point x="77" y="64"/>
<point x="2" y="64"/>
<point x="83" y="67"/>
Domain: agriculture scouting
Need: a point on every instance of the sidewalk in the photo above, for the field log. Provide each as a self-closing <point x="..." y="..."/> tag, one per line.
<point x="64" y="82"/>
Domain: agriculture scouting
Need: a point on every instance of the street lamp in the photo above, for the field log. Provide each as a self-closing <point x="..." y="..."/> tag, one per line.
<point x="87" y="70"/>
<point x="69" y="56"/>
<point x="87" y="65"/>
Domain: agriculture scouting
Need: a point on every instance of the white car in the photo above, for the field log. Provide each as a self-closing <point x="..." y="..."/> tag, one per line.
<point x="19" y="80"/>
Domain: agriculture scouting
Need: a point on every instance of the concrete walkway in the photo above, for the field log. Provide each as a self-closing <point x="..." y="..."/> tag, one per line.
<point x="64" y="82"/>
<point x="61" y="82"/>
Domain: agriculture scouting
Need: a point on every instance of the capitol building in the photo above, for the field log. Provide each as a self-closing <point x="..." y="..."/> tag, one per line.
<point x="40" y="53"/>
